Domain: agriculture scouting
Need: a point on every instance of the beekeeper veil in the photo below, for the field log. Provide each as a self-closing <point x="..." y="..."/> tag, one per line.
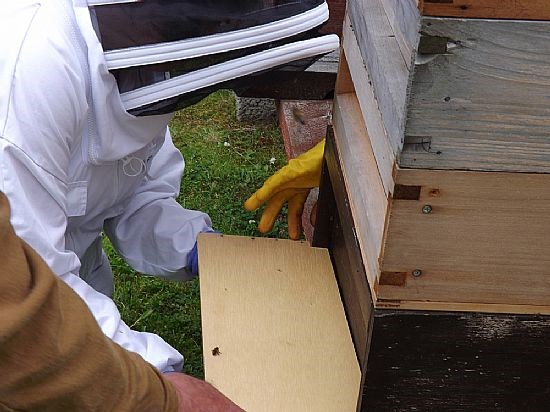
<point x="168" y="54"/>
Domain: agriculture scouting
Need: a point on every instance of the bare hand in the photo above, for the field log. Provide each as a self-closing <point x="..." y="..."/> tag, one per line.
<point x="199" y="396"/>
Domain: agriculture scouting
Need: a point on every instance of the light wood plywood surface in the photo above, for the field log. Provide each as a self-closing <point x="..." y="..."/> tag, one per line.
<point x="275" y="335"/>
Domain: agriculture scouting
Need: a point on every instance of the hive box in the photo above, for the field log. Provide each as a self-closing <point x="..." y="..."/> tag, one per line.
<point x="442" y="125"/>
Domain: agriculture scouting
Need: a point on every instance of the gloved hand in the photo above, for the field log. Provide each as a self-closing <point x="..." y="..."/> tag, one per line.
<point x="291" y="184"/>
<point x="193" y="257"/>
<point x="193" y="261"/>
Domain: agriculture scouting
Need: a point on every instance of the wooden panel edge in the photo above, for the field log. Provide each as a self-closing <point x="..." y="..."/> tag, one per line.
<point x="344" y="82"/>
<point x="361" y="173"/>
<point x="379" y="54"/>
<point x="372" y="117"/>
<point x="462" y="307"/>
<point x="488" y="9"/>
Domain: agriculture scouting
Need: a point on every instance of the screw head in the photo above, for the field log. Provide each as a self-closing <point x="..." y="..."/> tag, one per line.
<point x="416" y="273"/>
<point x="427" y="209"/>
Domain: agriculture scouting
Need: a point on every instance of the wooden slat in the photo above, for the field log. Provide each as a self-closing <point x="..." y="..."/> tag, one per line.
<point x="458" y="362"/>
<point x="490" y="9"/>
<point x="272" y="309"/>
<point x="404" y="18"/>
<point x="485" y="240"/>
<point x="462" y="307"/>
<point x="335" y="229"/>
<point x="482" y="102"/>
<point x="386" y="65"/>
<point x="368" y="201"/>
<point x="379" y="140"/>
<point x="344" y="82"/>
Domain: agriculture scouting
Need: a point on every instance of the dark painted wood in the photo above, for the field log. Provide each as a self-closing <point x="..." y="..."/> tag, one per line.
<point x="288" y="85"/>
<point x="335" y="231"/>
<point x="404" y="192"/>
<point x="430" y="361"/>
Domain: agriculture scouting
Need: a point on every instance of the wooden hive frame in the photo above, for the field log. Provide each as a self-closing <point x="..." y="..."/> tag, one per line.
<point x="466" y="334"/>
<point x="443" y="130"/>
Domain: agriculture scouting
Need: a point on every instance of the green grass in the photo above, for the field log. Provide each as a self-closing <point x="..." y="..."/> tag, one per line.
<point x="226" y="161"/>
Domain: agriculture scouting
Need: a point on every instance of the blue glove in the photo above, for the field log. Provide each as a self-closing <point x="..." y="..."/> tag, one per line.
<point x="193" y="257"/>
<point x="193" y="261"/>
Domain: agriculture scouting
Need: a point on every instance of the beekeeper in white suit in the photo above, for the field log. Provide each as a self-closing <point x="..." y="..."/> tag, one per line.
<point x="73" y="162"/>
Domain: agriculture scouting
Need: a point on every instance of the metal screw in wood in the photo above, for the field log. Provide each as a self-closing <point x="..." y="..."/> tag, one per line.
<point x="427" y="209"/>
<point x="416" y="273"/>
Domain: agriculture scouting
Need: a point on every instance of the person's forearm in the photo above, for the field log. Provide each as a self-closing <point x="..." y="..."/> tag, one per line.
<point x="53" y="356"/>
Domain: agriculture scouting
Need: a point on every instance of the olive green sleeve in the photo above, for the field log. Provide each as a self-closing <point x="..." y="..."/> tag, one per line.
<point x="53" y="355"/>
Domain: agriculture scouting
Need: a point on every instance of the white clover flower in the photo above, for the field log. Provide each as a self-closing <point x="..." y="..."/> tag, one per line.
<point x="272" y="161"/>
<point x="226" y="144"/>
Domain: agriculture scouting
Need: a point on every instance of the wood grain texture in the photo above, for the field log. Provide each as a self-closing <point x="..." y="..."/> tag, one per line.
<point x="426" y="361"/>
<point x="272" y="309"/>
<point x="372" y="117"/>
<point x="344" y="82"/>
<point x="462" y="307"/>
<point x="485" y="240"/>
<point x="483" y="103"/>
<point x="386" y="65"/>
<point x="404" y="19"/>
<point x="490" y="9"/>
<point x="368" y="200"/>
<point x="335" y="230"/>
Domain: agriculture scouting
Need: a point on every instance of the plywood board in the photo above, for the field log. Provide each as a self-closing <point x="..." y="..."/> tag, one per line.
<point x="484" y="241"/>
<point x="272" y="309"/>
<point x="479" y="97"/>
<point x="490" y="9"/>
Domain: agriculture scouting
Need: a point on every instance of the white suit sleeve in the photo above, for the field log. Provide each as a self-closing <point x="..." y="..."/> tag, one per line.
<point x="155" y="233"/>
<point x="39" y="218"/>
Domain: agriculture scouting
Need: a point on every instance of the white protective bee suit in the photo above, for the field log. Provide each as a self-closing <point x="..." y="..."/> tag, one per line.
<point x="73" y="162"/>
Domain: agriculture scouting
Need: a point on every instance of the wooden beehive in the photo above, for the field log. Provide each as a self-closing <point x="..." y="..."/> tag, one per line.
<point x="442" y="123"/>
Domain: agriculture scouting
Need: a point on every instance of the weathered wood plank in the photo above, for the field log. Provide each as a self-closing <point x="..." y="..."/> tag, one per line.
<point x="372" y="117"/>
<point x="458" y="362"/>
<point x="272" y="309"/>
<point x="368" y="201"/>
<point x="490" y="9"/>
<point x="386" y="65"/>
<point x="480" y="102"/>
<point x="475" y="237"/>
<point x="335" y="230"/>
<point x="344" y="82"/>
<point x="462" y="307"/>
<point x="404" y="19"/>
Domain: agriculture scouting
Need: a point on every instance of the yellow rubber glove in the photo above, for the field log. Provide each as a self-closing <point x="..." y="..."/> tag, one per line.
<point x="291" y="184"/>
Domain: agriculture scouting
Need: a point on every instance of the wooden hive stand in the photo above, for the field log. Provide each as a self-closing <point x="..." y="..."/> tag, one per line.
<point x="435" y="202"/>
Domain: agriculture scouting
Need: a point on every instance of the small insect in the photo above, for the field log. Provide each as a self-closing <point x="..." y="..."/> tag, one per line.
<point x="216" y="351"/>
